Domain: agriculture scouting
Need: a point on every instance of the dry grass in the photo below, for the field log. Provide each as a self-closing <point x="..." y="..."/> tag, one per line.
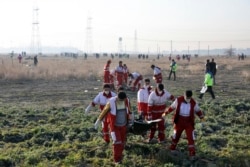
<point x="92" y="68"/>
<point x="246" y="75"/>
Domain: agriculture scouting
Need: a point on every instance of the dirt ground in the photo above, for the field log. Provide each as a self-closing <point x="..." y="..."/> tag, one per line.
<point x="74" y="94"/>
<point x="230" y="83"/>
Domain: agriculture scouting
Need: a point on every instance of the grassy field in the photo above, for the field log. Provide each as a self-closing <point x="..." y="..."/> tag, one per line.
<point x="42" y="121"/>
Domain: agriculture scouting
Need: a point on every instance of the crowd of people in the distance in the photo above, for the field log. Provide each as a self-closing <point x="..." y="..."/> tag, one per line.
<point x="241" y="56"/>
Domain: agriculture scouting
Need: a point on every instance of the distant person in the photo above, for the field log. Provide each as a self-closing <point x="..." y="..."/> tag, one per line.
<point x="207" y="66"/>
<point x="119" y="73"/>
<point x="185" y="108"/>
<point x="112" y="79"/>
<point x="178" y="57"/>
<point x="126" y="73"/>
<point x="173" y="68"/>
<point x="213" y="69"/>
<point x="20" y="58"/>
<point x="188" y="58"/>
<point x="106" y="73"/>
<point x="208" y="82"/>
<point x="157" y="76"/>
<point x="170" y="58"/>
<point x="35" y="60"/>
<point x="242" y="56"/>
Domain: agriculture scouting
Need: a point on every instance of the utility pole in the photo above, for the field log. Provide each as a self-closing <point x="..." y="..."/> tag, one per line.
<point x="135" y="43"/>
<point x="171" y="48"/>
<point x="120" y="50"/>
<point x="88" y="42"/>
<point x="208" y="50"/>
<point x="35" y="38"/>
<point x="199" y="48"/>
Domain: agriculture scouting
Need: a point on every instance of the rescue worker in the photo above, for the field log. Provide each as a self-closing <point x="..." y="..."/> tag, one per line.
<point x="136" y="79"/>
<point x="207" y="66"/>
<point x="106" y="75"/>
<point x="157" y="76"/>
<point x="126" y="73"/>
<point x="101" y="99"/>
<point x="112" y="79"/>
<point x="35" y="60"/>
<point x="142" y="99"/>
<point x="173" y="68"/>
<point x="118" y="109"/>
<point x="209" y="84"/>
<point x="156" y="107"/>
<point x="119" y="73"/>
<point x="185" y="109"/>
<point x="213" y="69"/>
<point x="20" y="58"/>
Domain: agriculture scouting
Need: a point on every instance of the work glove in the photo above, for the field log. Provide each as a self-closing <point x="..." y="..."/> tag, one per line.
<point x="164" y="114"/>
<point x="97" y="122"/>
<point x="113" y="136"/>
<point x="87" y="109"/>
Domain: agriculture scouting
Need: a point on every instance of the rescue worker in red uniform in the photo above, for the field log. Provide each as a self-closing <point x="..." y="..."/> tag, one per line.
<point x="101" y="99"/>
<point x="126" y="73"/>
<point x="136" y="79"/>
<point x="185" y="109"/>
<point x="156" y="107"/>
<point x="157" y="76"/>
<point x="142" y="99"/>
<point x="118" y="109"/>
<point x="106" y="75"/>
<point x="119" y="73"/>
<point x="112" y="79"/>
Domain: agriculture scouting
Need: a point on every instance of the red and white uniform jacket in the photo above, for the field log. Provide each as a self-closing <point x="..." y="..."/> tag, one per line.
<point x="142" y="99"/>
<point x="136" y="78"/>
<point x="112" y="76"/>
<point x="135" y="75"/>
<point x="184" y="109"/>
<point x="106" y="74"/>
<point x="119" y="70"/>
<point x="125" y="69"/>
<point x="126" y="72"/>
<point x="157" y="101"/>
<point x="157" y="75"/>
<point x="112" y="113"/>
<point x="102" y="99"/>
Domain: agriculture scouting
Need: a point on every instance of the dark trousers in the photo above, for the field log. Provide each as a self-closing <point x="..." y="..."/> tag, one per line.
<point x="210" y="90"/>
<point x="171" y="74"/>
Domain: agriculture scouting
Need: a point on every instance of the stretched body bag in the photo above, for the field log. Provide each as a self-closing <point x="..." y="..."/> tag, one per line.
<point x="139" y="126"/>
<point x="203" y="89"/>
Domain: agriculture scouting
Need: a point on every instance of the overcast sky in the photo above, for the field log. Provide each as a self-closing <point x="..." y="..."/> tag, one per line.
<point x="215" y="23"/>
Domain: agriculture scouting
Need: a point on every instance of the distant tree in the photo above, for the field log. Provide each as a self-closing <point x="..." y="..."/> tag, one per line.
<point x="230" y="51"/>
